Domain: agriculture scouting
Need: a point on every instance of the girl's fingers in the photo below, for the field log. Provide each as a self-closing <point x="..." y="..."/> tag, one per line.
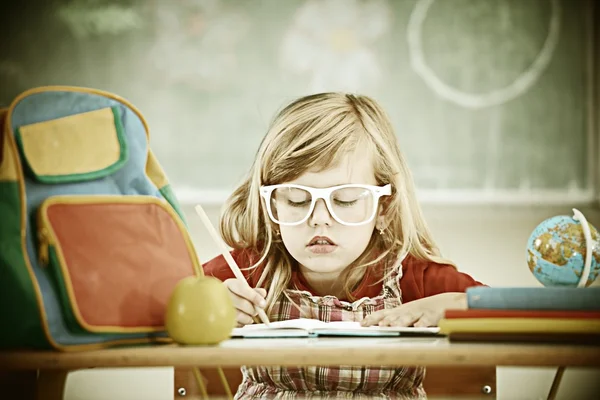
<point x="424" y="323"/>
<point x="404" y="319"/>
<point x="245" y="299"/>
<point x="429" y="319"/>
<point x="242" y="289"/>
<point x="375" y="318"/>
<point x="244" y="306"/>
<point x="244" y="319"/>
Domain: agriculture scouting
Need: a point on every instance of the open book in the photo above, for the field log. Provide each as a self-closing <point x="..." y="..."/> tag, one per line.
<point x="304" y="327"/>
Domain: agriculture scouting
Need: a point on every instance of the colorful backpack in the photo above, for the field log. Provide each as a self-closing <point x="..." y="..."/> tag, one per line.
<point x="92" y="240"/>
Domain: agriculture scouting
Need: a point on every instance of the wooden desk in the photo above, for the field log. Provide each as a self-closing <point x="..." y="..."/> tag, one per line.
<point x="54" y="366"/>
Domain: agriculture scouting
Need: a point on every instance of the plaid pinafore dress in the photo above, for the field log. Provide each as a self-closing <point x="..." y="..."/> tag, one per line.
<point x="342" y="382"/>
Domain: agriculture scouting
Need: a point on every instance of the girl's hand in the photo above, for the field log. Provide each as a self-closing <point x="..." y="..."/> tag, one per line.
<point x="244" y="299"/>
<point x="420" y="313"/>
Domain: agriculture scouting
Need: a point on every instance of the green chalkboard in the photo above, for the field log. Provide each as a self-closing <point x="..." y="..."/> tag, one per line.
<point x="486" y="95"/>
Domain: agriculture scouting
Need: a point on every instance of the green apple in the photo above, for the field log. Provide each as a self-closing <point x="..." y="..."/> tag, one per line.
<point x="200" y="311"/>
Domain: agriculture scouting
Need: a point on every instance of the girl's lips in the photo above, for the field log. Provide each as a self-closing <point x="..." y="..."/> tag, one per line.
<point x="321" y="245"/>
<point x="321" y="240"/>
<point x="321" y="248"/>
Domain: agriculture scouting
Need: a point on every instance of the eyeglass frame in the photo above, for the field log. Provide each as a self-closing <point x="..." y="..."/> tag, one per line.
<point x="325" y="194"/>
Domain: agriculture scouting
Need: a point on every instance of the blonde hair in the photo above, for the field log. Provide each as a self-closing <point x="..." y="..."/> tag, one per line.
<point x="314" y="132"/>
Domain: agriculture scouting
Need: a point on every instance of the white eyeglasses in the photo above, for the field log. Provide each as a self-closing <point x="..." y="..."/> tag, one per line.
<point x="352" y="205"/>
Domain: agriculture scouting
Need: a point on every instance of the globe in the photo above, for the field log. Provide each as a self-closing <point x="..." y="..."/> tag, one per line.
<point x="556" y="251"/>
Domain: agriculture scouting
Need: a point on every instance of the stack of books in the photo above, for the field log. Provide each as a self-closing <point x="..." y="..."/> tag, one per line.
<point x="526" y="314"/>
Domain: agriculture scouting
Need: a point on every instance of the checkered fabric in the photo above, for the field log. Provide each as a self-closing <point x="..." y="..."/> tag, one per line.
<point x="340" y="382"/>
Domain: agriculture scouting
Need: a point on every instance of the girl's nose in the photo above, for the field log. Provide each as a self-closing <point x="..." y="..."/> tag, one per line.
<point x="320" y="215"/>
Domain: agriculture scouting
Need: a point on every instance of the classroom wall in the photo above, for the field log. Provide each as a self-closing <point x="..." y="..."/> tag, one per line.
<point x="486" y="242"/>
<point x="495" y="84"/>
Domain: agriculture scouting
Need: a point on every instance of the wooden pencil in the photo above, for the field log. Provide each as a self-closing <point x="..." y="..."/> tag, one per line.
<point x="230" y="261"/>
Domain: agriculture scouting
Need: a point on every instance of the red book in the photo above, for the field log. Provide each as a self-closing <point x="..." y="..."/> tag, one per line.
<point x="485" y="313"/>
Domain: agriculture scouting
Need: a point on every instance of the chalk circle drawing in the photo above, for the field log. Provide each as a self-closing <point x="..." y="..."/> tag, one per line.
<point x="479" y="100"/>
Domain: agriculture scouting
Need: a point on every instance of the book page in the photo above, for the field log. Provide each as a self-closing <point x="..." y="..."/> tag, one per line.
<point x="290" y="328"/>
<point x="306" y="324"/>
<point x="305" y="327"/>
<point x="356" y="328"/>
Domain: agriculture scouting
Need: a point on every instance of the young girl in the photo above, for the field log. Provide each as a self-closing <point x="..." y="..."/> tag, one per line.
<point x="327" y="226"/>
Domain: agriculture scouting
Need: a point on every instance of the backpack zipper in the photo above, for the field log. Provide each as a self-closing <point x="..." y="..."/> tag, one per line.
<point x="45" y="239"/>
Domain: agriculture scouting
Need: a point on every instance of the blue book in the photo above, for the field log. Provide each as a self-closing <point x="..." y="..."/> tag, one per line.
<point x="534" y="298"/>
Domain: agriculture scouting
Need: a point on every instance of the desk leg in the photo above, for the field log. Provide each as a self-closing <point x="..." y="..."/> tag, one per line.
<point x="556" y="383"/>
<point x="51" y="384"/>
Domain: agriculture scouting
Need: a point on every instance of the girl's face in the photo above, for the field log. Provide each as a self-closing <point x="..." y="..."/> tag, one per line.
<point x="321" y="244"/>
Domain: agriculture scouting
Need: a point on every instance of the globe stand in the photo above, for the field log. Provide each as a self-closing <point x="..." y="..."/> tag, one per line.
<point x="587" y="234"/>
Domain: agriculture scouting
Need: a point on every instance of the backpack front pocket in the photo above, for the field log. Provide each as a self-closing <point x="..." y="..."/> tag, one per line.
<point x="75" y="148"/>
<point x="114" y="259"/>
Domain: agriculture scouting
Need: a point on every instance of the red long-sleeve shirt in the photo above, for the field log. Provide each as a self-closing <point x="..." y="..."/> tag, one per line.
<point x="420" y="278"/>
